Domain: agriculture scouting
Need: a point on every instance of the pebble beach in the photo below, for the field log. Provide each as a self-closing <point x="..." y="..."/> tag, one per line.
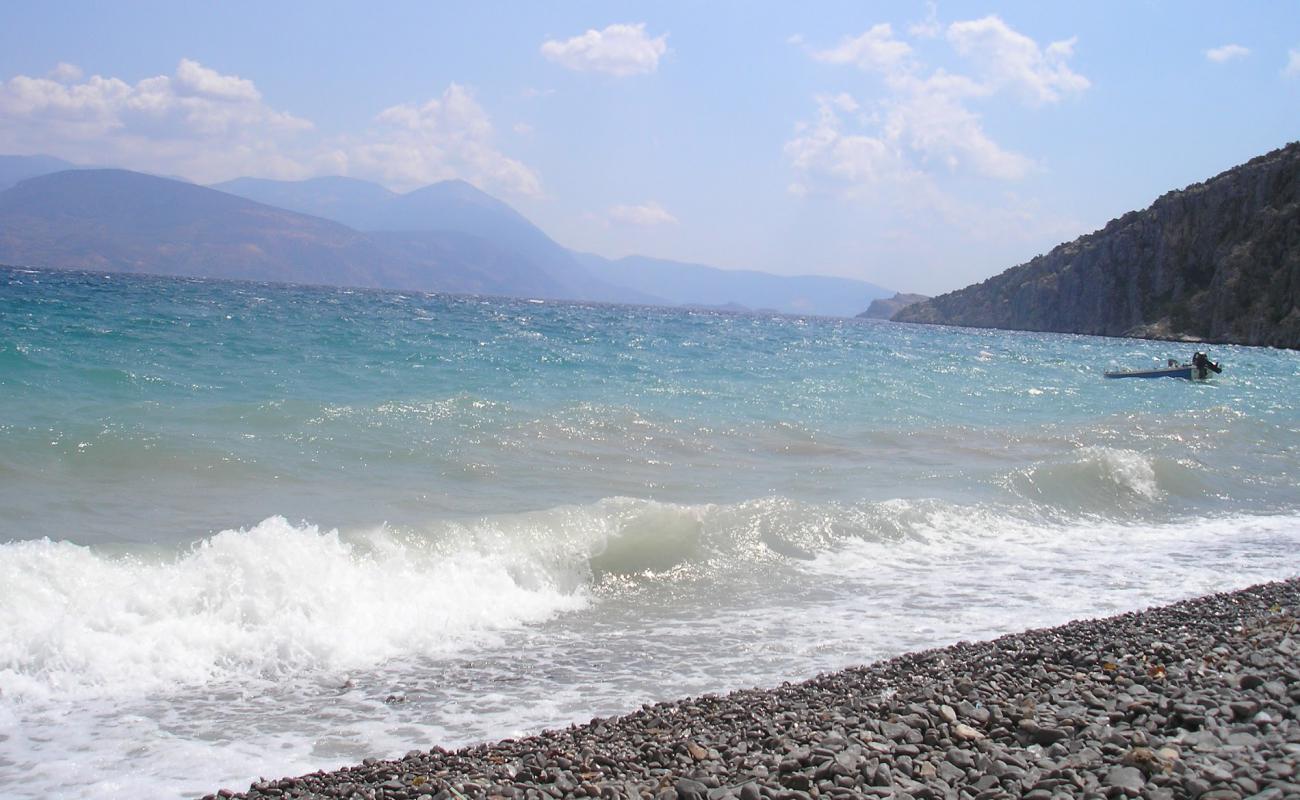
<point x="1199" y="699"/>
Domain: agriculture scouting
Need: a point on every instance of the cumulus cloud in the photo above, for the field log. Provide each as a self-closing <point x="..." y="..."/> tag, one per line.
<point x="929" y="27"/>
<point x="196" y="121"/>
<point x="1227" y="52"/>
<point x="620" y="50"/>
<point x="209" y="126"/>
<point x="1292" y="68"/>
<point x="64" y="72"/>
<point x="933" y="121"/>
<point x="1012" y="60"/>
<point x="927" y="119"/>
<point x="646" y="215"/>
<point x="825" y="147"/>
<point x="450" y="136"/>
<point x="876" y="49"/>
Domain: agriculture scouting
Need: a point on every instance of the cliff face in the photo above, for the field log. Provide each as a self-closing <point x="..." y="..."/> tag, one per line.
<point x="886" y="308"/>
<point x="1218" y="261"/>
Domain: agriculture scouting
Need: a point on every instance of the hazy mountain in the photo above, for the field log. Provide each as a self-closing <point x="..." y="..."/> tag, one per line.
<point x="480" y="266"/>
<point x="458" y="206"/>
<point x="447" y="237"/>
<point x="19" y="168"/>
<point x="700" y="285"/>
<point x="1217" y="261"/>
<point x="355" y="203"/>
<point x="127" y="221"/>
<point x="454" y="206"/>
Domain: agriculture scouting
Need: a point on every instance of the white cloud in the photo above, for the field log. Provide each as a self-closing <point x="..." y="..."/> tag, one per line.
<point x="933" y="121"/>
<point x="194" y="79"/>
<point x="620" y="50"/>
<point x="447" y="137"/>
<point x="876" y="49"/>
<point x="854" y="159"/>
<point x="1011" y="59"/>
<point x="1227" y="52"/>
<point x="646" y="215"/>
<point x="209" y="126"/>
<point x="522" y="129"/>
<point x="64" y="72"/>
<point x="1292" y="68"/>
<point x="196" y="122"/>
<point x="929" y="27"/>
<point x="926" y="124"/>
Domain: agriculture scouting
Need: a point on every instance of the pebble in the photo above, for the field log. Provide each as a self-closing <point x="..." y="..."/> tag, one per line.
<point x="965" y="732"/>
<point x="1194" y="700"/>
<point x="1130" y="779"/>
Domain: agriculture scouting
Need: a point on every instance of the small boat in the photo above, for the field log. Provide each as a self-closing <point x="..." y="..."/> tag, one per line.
<point x="1198" y="370"/>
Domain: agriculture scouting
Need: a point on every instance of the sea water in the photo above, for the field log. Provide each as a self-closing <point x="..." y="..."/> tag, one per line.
<point x="258" y="530"/>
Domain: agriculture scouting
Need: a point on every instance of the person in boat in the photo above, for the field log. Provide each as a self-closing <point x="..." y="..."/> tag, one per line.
<point x="1203" y="364"/>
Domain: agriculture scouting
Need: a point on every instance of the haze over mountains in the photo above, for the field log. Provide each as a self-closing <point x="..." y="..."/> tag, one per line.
<point x="1217" y="261"/>
<point x="17" y="168"/>
<point x="685" y="284"/>
<point x="414" y="226"/>
<point x="446" y="237"/>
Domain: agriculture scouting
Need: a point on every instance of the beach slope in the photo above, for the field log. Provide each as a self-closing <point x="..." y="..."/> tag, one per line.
<point x="1196" y="699"/>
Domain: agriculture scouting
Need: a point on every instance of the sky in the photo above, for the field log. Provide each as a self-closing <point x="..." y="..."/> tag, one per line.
<point x="918" y="146"/>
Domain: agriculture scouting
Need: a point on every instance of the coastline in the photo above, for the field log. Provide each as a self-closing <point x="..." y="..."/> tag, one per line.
<point x="1200" y="698"/>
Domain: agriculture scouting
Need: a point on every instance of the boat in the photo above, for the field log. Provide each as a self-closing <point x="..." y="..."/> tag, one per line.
<point x="1198" y="370"/>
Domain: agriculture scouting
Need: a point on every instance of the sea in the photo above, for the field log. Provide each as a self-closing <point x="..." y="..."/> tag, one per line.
<point x="254" y="530"/>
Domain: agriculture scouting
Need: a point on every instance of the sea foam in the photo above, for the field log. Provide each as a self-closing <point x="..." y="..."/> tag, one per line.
<point x="264" y="602"/>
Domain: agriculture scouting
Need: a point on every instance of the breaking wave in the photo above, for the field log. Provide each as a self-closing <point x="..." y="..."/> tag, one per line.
<point x="279" y="600"/>
<point x="1104" y="480"/>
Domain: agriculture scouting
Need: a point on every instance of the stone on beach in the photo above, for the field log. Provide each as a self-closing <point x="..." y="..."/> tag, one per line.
<point x="1198" y="699"/>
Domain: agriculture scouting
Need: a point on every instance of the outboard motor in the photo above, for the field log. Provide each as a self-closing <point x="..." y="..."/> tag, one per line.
<point x="1203" y="365"/>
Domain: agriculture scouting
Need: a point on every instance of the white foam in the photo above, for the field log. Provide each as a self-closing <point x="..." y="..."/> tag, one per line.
<point x="177" y="676"/>
<point x="971" y="572"/>
<point x="1128" y="469"/>
<point x="270" y="601"/>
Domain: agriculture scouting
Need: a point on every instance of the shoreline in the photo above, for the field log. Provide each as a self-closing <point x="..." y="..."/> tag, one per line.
<point x="1200" y="698"/>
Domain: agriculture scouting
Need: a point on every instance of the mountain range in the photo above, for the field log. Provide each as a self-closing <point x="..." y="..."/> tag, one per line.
<point x="18" y="168"/>
<point x="446" y="237"/>
<point x="1218" y="261"/>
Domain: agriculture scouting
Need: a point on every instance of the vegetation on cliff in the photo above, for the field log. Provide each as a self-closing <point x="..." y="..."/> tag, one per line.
<point x="1218" y="261"/>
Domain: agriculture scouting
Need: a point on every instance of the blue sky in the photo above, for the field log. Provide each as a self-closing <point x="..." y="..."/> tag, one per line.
<point x="920" y="146"/>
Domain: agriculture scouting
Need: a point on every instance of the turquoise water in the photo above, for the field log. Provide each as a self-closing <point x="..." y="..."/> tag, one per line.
<point x="236" y="519"/>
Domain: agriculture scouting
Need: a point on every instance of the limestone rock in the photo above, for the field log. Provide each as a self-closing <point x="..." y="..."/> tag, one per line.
<point x="1215" y="262"/>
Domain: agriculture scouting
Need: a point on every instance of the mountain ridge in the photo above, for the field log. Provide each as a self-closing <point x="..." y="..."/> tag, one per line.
<point x="459" y="205"/>
<point x="14" y="169"/>
<point x="131" y="222"/>
<point x="448" y="236"/>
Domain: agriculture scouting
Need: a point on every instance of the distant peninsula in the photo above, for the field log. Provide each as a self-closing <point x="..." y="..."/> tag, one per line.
<point x="887" y="307"/>
<point x="1218" y="261"/>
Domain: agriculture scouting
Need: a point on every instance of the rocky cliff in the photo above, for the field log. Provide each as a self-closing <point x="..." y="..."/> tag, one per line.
<point x="886" y="308"/>
<point x="1218" y="261"/>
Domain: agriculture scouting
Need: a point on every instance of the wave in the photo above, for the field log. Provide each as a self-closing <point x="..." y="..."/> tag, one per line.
<point x="1106" y="480"/>
<point x="269" y="601"/>
<point x="277" y="601"/>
